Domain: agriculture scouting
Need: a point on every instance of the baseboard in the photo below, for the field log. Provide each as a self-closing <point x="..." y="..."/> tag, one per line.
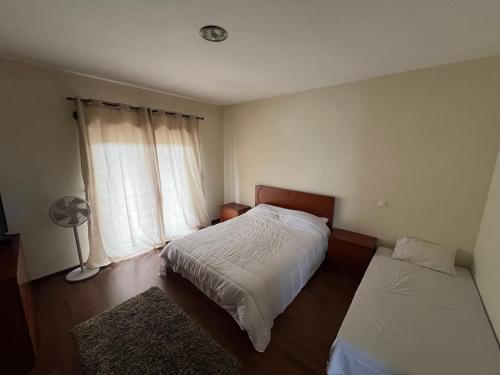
<point x="54" y="275"/>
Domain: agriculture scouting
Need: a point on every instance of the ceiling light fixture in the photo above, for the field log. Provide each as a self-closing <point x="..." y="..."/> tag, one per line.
<point x="213" y="33"/>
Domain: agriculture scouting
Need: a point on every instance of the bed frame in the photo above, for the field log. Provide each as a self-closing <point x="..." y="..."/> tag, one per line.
<point x="316" y="204"/>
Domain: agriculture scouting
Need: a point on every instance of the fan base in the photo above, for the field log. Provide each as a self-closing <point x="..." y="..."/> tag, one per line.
<point x="78" y="275"/>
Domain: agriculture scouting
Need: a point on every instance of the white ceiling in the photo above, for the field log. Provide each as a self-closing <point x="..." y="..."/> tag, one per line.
<point x="274" y="47"/>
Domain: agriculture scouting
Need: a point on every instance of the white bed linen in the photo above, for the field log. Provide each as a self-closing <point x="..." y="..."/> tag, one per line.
<point x="253" y="265"/>
<point x="407" y="319"/>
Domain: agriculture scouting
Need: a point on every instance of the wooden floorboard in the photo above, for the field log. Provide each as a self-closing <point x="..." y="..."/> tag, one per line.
<point x="301" y="336"/>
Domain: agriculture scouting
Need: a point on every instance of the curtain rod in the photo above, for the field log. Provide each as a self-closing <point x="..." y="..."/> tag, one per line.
<point x="72" y="98"/>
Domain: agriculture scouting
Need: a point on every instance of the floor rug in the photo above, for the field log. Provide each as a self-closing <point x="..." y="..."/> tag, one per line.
<point x="149" y="334"/>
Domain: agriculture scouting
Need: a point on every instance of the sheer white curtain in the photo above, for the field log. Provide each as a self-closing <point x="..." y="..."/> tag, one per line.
<point x="181" y="175"/>
<point x="140" y="183"/>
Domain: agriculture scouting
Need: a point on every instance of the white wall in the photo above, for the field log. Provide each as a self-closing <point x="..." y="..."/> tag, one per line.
<point x="425" y="141"/>
<point x="486" y="265"/>
<point x="39" y="155"/>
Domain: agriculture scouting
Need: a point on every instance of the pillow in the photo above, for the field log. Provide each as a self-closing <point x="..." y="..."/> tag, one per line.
<point x="294" y="213"/>
<point x="425" y="254"/>
<point x="295" y="216"/>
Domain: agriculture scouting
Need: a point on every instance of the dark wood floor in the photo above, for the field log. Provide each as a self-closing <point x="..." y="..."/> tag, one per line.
<point x="301" y="336"/>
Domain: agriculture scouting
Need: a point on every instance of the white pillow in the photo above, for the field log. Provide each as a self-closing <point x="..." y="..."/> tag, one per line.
<point x="425" y="254"/>
<point x="292" y="216"/>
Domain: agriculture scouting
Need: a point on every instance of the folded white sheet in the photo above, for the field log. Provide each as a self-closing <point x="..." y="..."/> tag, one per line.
<point x="253" y="265"/>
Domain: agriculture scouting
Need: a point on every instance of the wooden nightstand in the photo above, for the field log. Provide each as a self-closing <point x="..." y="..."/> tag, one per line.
<point x="350" y="252"/>
<point x="230" y="210"/>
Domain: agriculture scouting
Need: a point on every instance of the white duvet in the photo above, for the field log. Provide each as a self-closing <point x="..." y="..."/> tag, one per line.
<point x="254" y="265"/>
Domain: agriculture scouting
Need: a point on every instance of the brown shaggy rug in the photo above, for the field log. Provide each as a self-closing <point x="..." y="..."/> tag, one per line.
<point x="149" y="334"/>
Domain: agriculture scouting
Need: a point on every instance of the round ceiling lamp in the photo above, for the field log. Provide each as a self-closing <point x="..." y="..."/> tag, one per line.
<point x="213" y="33"/>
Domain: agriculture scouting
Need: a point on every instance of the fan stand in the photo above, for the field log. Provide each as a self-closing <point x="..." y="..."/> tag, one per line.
<point x="81" y="273"/>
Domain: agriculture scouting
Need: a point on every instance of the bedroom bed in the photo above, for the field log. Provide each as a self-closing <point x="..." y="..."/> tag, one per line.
<point x="254" y="265"/>
<point x="407" y="319"/>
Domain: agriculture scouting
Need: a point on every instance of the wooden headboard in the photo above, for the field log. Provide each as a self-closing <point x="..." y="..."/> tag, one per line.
<point x="316" y="204"/>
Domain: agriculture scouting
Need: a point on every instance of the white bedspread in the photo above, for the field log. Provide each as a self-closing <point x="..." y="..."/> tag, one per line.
<point x="406" y="319"/>
<point x="253" y="265"/>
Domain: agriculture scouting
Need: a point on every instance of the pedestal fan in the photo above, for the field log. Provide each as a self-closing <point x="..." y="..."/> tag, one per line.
<point x="71" y="212"/>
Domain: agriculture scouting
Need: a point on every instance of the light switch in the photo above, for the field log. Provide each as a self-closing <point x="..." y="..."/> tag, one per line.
<point x="382" y="203"/>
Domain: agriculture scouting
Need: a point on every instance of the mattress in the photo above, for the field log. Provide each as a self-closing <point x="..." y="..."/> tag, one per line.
<point x="254" y="265"/>
<point x="407" y="319"/>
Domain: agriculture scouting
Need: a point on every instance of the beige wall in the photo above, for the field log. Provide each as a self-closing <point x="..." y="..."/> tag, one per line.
<point x="39" y="156"/>
<point x="486" y="265"/>
<point x="425" y="141"/>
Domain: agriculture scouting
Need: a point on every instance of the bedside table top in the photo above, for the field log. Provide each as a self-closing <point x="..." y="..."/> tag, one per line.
<point x="354" y="238"/>
<point x="235" y="206"/>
